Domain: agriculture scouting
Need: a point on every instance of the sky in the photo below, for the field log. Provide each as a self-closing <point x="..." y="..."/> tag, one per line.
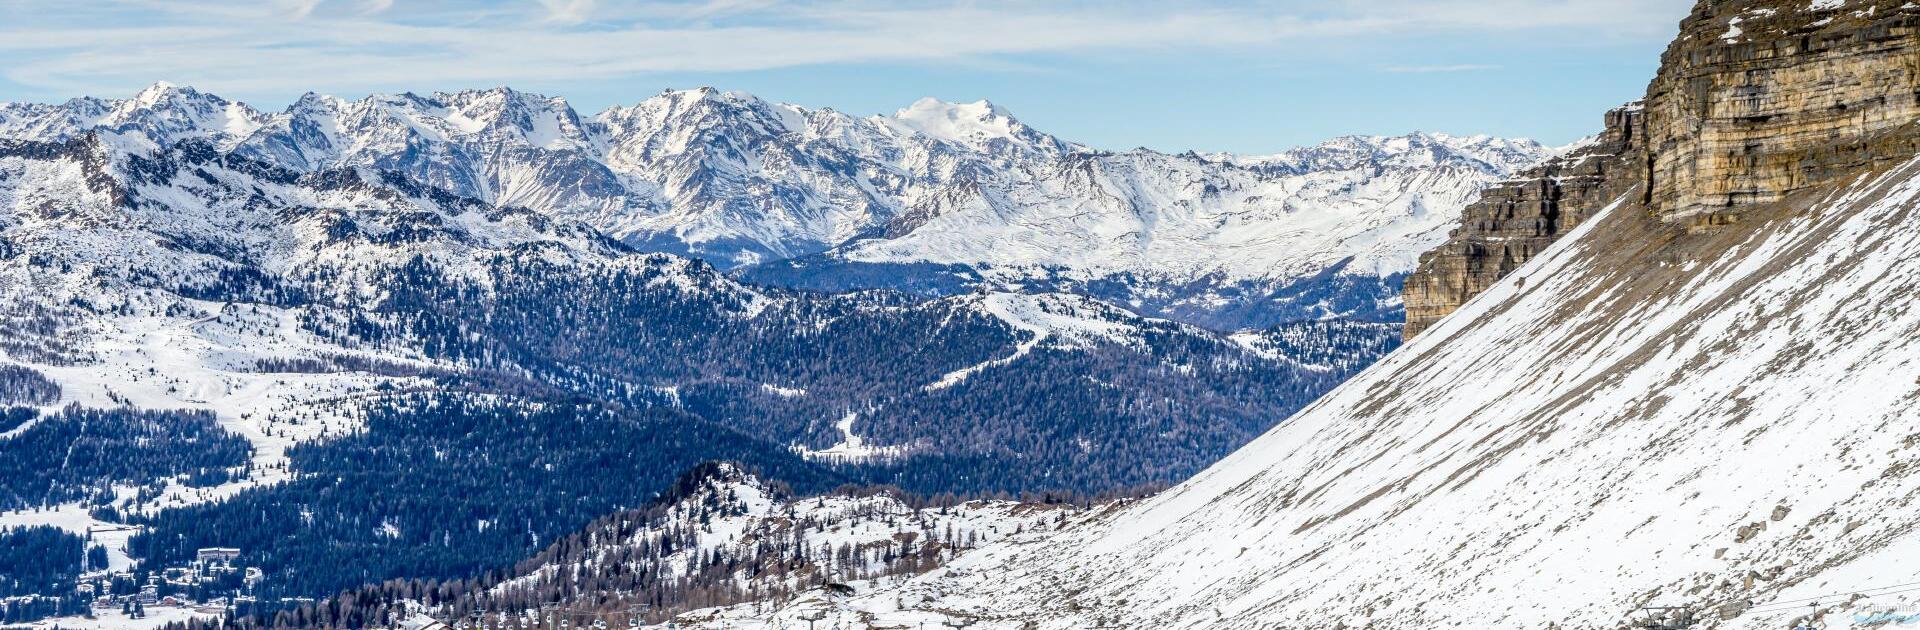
<point x="1170" y="75"/>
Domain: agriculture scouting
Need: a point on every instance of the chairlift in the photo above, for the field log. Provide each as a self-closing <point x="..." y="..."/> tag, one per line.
<point x="1812" y="620"/>
<point x="1665" y="618"/>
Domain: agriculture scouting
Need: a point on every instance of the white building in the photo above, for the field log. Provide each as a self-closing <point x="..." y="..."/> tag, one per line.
<point x="217" y="556"/>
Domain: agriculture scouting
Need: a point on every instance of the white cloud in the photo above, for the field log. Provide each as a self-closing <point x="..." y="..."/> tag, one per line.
<point x="240" y="48"/>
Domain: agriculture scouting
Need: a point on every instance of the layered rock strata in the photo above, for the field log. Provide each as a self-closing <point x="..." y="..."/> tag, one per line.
<point x="1516" y="220"/>
<point x="1760" y="99"/>
<point x="1755" y="100"/>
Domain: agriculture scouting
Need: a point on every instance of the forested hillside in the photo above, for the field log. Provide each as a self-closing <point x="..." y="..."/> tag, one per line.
<point x="718" y="535"/>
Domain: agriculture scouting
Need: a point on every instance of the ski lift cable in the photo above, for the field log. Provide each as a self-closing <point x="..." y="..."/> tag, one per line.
<point x="1730" y="600"/>
<point x="1864" y="591"/>
<point x="1792" y="605"/>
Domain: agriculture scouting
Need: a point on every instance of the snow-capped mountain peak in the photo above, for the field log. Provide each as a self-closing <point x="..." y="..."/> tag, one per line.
<point x="703" y="108"/>
<point x="155" y="94"/>
<point x="167" y="113"/>
<point x="162" y="114"/>
<point x="505" y="115"/>
<point x="315" y="101"/>
<point x="979" y="125"/>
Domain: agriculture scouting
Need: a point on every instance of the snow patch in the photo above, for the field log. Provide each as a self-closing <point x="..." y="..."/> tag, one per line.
<point x="852" y="448"/>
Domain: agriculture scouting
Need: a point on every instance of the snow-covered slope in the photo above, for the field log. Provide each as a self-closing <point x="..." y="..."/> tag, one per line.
<point x="721" y="515"/>
<point x="134" y="276"/>
<point x="718" y="534"/>
<point x="1722" y="421"/>
<point x="1379" y="201"/>
<point x="966" y="188"/>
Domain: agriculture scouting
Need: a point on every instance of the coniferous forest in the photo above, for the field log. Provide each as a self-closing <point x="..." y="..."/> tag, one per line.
<point x="40" y="560"/>
<point x="80" y="454"/>
<point x="450" y="486"/>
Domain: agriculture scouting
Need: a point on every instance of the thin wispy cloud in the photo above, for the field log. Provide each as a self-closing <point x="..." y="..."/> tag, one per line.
<point x="373" y="44"/>
<point x="568" y="11"/>
<point x="298" y="9"/>
<point x="712" y="9"/>
<point x="1465" y="67"/>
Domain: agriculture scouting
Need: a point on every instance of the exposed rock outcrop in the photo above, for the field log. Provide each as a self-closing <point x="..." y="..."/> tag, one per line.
<point x="1512" y="222"/>
<point x="1760" y="99"/>
<point x="1755" y="100"/>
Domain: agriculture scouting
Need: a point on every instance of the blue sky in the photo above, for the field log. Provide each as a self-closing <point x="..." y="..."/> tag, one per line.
<point x="1247" y="77"/>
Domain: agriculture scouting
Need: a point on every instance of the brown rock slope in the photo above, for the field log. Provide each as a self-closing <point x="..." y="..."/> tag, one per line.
<point x="1756" y="100"/>
<point x="1515" y="221"/>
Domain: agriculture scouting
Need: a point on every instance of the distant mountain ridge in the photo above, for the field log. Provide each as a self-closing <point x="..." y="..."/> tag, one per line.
<point x="937" y="198"/>
<point x="1222" y="241"/>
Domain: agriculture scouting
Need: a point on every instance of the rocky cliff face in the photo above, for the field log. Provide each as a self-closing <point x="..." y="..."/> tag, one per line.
<point x="1759" y="99"/>
<point x="1755" y="101"/>
<point x="1514" y="221"/>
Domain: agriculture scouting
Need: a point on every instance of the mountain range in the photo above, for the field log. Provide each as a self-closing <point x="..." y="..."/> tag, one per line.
<point x="937" y="198"/>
